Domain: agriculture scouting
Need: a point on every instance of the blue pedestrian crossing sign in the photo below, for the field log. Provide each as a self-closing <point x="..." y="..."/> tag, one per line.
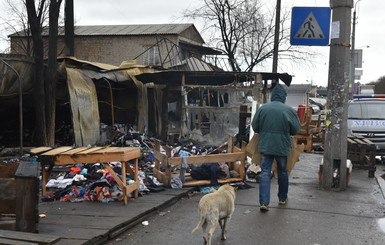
<point x="310" y="26"/>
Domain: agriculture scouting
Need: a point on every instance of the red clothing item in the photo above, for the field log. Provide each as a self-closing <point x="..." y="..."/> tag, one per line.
<point x="75" y="170"/>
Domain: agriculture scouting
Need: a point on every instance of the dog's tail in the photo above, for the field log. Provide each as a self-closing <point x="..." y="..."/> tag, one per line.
<point x="201" y="222"/>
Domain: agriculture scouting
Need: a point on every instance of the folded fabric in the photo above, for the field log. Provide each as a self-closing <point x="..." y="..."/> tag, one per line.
<point x="60" y="182"/>
<point x="176" y="182"/>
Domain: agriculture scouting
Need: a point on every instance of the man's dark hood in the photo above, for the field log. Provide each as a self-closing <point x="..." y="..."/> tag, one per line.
<point x="278" y="93"/>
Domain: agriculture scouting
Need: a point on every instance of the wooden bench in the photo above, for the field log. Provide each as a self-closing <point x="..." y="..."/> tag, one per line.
<point x="19" y="195"/>
<point x="362" y="153"/>
<point x="68" y="155"/>
<point x="233" y="155"/>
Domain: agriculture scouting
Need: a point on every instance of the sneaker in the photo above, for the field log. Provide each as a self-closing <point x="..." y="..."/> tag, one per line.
<point x="264" y="208"/>
<point x="283" y="202"/>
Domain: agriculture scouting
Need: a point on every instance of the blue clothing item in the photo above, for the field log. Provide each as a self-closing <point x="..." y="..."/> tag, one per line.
<point x="275" y="122"/>
<point x="183" y="153"/>
<point x="265" y="178"/>
<point x="207" y="189"/>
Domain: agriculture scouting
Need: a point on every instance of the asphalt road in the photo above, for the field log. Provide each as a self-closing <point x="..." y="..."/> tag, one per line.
<point x="312" y="216"/>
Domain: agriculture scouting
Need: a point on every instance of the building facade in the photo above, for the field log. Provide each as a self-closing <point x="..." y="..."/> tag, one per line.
<point x="157" y="45"/>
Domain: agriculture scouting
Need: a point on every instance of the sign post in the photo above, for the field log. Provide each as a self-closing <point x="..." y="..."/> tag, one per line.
<point x="310" y="26"/>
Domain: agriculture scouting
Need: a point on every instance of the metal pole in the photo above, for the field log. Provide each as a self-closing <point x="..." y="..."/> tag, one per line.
<point x="352" y="50"/>
<point x="276" y="36"/>
<point x="335" y="153"/>
<point x="112" y="103"/>
<point x="352" y="54"/>
<point x="20" y="106"/>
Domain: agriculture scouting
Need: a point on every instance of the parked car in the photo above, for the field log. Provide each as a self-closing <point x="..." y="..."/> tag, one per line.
<point x="366" y="117"/>
<point x="320" y="102"/>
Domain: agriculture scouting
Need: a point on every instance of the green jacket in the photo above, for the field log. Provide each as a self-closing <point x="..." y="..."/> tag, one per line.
<point x="275" y="122"/>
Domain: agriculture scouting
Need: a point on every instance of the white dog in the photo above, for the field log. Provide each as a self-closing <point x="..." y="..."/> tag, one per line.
<point x="214" y="208"/>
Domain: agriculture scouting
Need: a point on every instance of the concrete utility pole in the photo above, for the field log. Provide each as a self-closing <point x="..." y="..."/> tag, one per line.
<point x="335" y="153"/>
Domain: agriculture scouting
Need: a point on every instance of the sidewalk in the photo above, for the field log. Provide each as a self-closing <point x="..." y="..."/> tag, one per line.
<point x="95" y="223"/>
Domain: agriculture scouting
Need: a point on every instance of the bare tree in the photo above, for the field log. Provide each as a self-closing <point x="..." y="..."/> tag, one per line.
<point x="51" y="79"/>
<point x="15" y="21"/>
<point x="69" y="32"/>
<point x="44" y="87"/>
<point x="15" y="18"/>
<point x="31" y="16"/>
<point x="379" y="85"/>
<point x="35" y="14"/>
<point x="244" y="31"/>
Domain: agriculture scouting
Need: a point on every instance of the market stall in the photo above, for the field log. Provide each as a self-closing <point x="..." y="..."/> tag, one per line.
<point x="68" y="155"/>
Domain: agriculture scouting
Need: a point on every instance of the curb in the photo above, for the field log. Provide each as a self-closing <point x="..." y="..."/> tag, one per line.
<point x="119" y="229"/>
<point x="381" y="183"/>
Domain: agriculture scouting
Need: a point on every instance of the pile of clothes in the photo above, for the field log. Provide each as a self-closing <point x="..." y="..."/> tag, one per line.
<point x="93" y="182"/>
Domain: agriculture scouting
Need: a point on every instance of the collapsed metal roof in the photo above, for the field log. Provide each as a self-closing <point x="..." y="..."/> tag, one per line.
<point x="12" y="68"/>
<point x="208" y="77"/>
<point x="201" y="49"/>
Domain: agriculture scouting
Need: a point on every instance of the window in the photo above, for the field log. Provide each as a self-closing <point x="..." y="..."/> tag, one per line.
<point x="375" y="110"/>
<point x="151" y="55"/>
<point x="354" y="110"/>
<point x="372" y="110"/>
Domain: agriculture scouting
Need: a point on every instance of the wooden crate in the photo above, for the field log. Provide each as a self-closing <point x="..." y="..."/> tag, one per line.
<point x="19" y="196"/>
<point x="310" y="130"/>
<point x="235" y="157"/>
<point x="362" y="153"/>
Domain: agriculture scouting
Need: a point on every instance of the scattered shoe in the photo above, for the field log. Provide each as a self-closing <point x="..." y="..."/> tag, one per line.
<point x="283" y="202"/>
<point x="264" y="208"/>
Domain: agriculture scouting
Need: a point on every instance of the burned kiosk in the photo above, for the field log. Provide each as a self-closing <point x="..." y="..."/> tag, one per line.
<point x="204" y="107"/>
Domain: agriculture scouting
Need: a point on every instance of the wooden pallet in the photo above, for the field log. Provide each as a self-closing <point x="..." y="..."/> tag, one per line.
<point x="362" y="153"/>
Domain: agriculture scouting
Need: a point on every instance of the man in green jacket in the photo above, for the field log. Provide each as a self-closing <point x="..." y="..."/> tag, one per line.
<point x="275" y="122"/>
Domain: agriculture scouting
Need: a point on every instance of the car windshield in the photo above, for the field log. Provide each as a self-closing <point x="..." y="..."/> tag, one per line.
<point x="372" y="110"/>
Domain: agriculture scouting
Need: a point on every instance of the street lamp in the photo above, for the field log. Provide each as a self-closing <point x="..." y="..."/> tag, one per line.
<point x="352" y="67"/>
<point x="365" y="46"/>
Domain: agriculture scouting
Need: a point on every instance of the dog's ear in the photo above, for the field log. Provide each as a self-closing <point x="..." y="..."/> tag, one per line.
<point x="235" y="188"/>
